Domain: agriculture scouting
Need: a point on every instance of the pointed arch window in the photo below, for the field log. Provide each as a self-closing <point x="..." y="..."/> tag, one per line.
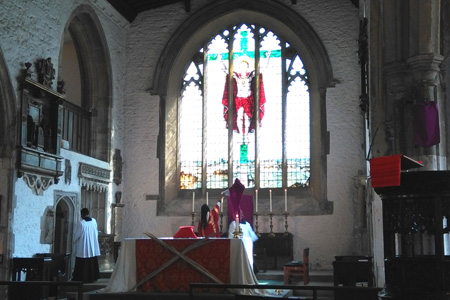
<point x="244" y="113"/>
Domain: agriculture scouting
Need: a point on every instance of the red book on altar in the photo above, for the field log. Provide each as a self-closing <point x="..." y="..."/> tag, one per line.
<point x="386" y="170"/>
<point x="185" y="232"/>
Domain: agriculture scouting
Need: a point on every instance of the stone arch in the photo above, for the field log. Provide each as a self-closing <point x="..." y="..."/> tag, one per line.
<point x="206" y="21"/>
<point x="95" y="70"/>
<point x="203" y="24"/>
<point x="8" y="138"/>
<point x="8" y="130"/>
<point x="65" y="203"/>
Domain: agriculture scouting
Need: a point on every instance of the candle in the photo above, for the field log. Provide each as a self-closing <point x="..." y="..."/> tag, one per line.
<point x="193" y="201"/>
<point x="256" y="207"/>
<point x="206" y="198"/>
<point x="221" y="204"/>
<point x="285" y="200"/>
<point x="270" y="198"/>
<point x="237" y="227"/>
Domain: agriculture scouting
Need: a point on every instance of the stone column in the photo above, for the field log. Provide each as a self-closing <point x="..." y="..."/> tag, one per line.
<point x="424" y="63"/>
<point x="411" y="63"/>
<point x="396" y="93"/>
<point x="425" y="87"/>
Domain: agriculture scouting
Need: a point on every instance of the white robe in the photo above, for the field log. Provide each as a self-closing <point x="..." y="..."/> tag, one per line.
<point x="86" y="239"/>
<point x="248" y="237"/>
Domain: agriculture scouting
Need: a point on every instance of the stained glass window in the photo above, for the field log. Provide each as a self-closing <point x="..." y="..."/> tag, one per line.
<point x="245" y="113"/>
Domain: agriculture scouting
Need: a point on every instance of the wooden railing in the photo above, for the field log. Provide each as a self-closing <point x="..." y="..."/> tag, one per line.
<point x="76" y="127"/>
<point x="347" y="292"/>
<point x="27" y="285"/>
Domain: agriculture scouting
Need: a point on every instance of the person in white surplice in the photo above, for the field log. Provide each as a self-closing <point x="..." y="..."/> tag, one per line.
<point x="87" y="249"/>
<point x="248" y="237"/>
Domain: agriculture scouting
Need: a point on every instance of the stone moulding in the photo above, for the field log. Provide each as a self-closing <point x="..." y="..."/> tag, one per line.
<point x="94" y="178"/>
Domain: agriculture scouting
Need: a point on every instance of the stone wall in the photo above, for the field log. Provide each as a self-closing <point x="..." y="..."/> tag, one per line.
<point x="32" y="30"/>
<point x="336" y="23"/>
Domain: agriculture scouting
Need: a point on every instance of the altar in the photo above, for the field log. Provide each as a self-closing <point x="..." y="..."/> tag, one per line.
<point x="170" y="265"/>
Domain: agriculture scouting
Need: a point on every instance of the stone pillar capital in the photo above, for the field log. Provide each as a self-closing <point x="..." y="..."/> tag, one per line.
<point x="425" y="68"/>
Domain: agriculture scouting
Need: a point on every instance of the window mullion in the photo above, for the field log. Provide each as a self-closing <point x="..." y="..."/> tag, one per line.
<point x="204" y="124"/>
<point x="256" y="105"/>
<point x="283" y="112"/>
<point x="230" y="106"/>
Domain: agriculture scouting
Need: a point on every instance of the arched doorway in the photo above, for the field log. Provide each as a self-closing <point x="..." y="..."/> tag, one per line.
<point x="64" y="221"/>
<point x="63" y="232"/>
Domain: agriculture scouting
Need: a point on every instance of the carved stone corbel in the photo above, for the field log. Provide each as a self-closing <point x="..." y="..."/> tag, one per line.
<point x="38" y="183"/>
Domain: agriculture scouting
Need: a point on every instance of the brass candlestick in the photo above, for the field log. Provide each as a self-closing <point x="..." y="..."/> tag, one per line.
<point x="256" y="225"/>
<point x="271" y="234"/>
<point x="237" y="231"/>
<point x="221" y="222"/>
<point x="286" y="232"/>
<point x="193" y="216"/>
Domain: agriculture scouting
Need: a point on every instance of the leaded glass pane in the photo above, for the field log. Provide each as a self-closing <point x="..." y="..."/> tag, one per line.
<point x="297" y="127"/>
<point x="271" y="142"/>
<point x="204" y="133"/>
<point x="190" y="137"/>
<point x="244" y="77"/>
<point x="217" y="133"/>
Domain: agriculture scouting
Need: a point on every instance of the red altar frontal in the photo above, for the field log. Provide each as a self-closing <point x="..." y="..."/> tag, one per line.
<point x="170" y="265"/>
<point x="214" y="257"/>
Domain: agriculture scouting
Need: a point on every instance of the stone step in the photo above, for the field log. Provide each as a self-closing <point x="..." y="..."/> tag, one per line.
<point x="315" y="277"/>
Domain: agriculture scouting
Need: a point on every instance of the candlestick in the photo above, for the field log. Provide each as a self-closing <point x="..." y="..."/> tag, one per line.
<point x="206" y="198"/>
<point x="256" y="196"/>
<point x="193" y="201"/>
<point x="271" y="233"/>
<point x="270" y="198"/>
<point x="286" y="232"/>
<point x="256" y="225"/>
<point x="285" y="199"/>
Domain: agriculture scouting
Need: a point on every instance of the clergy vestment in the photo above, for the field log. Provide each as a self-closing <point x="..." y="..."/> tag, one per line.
<point x="212" y="228"/>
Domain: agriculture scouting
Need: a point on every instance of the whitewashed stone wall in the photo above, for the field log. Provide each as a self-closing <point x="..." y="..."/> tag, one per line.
<point x="32" y="30"/>
<point x="29" y="209"/>
<point x="337" y="24"/>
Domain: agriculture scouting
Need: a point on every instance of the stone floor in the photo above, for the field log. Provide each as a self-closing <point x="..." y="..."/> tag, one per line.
<point x="268" y="278"/>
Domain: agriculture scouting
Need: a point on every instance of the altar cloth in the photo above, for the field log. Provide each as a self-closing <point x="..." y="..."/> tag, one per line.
<point x="225" y="258"/>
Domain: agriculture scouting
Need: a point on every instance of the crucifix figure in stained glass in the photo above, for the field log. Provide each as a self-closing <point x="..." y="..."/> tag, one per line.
<point x="244" y="85"/>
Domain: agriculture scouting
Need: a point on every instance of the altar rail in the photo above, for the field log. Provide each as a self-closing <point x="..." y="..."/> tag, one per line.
<point x="25" y="285"/>
<point x="352" y="292"/>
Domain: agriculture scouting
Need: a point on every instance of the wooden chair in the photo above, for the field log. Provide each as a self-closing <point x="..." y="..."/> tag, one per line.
<point x="298" y="268"/>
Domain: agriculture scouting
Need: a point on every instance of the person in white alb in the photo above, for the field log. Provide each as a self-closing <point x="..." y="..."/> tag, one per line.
<point x="87" y="249"/>
<point x="247" y="235"/>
